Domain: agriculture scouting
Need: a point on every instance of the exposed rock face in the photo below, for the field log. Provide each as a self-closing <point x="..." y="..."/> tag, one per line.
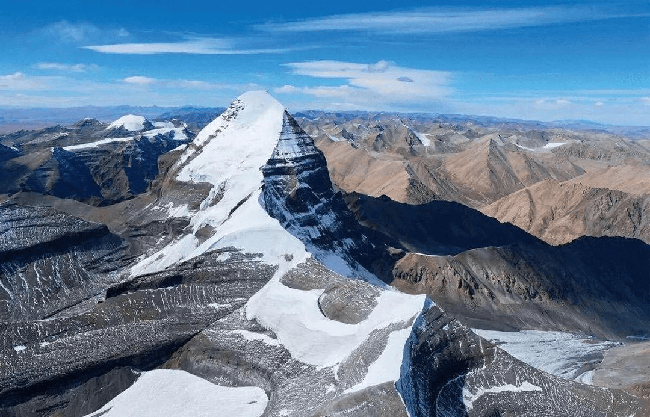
<point x="448" y="371"/>
<point x="581" y="286"/>
<point x="137" y="325"/>
<point x="298" y="192"/>
<point x="88" y="162"/>
<point x="561" y="212"/>
<point x="50" y="261"/>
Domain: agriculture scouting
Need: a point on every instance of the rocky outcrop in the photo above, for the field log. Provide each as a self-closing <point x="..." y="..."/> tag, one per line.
<point x="448" y="371"/>
<point x="298" y="192"/>
<point x="50" y="262"/>
<point x="593" y="285"/>
<point x="561" y="212"/>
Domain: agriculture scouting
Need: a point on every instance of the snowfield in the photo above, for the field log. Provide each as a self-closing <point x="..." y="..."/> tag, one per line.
<point x="312" y="338"/>
<point x="97" y="143"/>
<point x="130" y="122"/>
<point x="469" y="397"/>
<point x="168" y="392"/>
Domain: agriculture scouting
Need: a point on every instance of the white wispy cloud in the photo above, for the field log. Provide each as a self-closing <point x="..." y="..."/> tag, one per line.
<point x="143" y="81"/>
<point x="57" y="66"/>
<point x="450" y="20"/>
<point x="20" y="89"/>
<point x="21" y="81"/>
<point x="80" y="32"/>
<point x="140" y="80"/>
<point x="372" y="85"/>
<point x="204" y="46"/>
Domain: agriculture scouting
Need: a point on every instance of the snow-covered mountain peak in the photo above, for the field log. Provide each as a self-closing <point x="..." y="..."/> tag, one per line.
<point x="228" y="154"/>
<point x="240" y="140"/>
<point x="129" y="122"/>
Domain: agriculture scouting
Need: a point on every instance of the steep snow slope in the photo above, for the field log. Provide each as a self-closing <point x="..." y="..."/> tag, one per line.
<point x="228" y="154"/>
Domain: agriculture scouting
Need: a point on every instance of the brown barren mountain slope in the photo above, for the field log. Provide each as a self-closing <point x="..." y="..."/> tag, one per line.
<point x="555" y="183"/>
<point x="561" y="212"/>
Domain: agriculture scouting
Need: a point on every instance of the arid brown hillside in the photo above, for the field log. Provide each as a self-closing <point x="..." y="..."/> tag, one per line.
<point x="555" y="183"/>
<point x="560" y="212"/>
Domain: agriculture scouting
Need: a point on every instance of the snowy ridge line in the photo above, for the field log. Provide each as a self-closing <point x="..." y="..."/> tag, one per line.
<point x="228" y="154"/>
<point x="179" y="135"/>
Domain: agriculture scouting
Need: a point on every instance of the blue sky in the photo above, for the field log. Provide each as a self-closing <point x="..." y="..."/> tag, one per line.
<point x="542" y="60"/>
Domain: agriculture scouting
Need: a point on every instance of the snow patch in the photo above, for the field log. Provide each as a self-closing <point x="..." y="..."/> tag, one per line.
<point x="179" y="133"/>
<point x="97" y="143"/>
<point x="130" y="122"/>
<point x="554" y="145"/>
<point x="181" y="211"/>
<point x="164" y="125"/>
<point x="20" y="348"/>
<point x="386" y="367"/>
<point x="169" y="392"/>
<point x="469" y="397"/>
<point x="294" y="316"/>
<point x="424" y="140"/>
<point x="586" y="378"/>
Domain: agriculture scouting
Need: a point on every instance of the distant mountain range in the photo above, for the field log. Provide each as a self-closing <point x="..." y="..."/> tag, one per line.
<point x="12" y="119"/>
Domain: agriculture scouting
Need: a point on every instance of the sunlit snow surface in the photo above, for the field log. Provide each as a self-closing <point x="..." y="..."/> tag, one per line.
<point x="167" y="392"/>
<point x="228" y="154"/>
<point x="97" y="143"/>
<point x="558" y="353"/>
<point x="130" y="122"/>
<point x="312" y="338"/>
<point x="424" y="140"/>
<point x="548" y="146"/>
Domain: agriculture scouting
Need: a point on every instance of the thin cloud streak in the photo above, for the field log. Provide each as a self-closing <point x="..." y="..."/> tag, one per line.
<point x="371" y="86"/>
<point x="57" y="66"/>
<point x="79" y="32"/>
<point x="208" y="46"/>
<point x="450" y="20"/>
